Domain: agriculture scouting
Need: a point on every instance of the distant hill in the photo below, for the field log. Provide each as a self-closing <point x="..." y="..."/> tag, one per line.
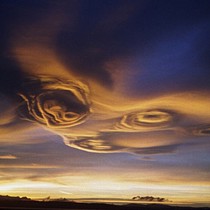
<point x="23" y="203"/>
<point x="11" y="198"/>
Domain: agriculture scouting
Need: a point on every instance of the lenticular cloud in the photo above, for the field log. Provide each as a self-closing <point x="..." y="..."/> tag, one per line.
<point x="55" y="103"/>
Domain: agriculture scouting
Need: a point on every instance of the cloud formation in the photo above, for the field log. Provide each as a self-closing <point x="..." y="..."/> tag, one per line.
<point x="150" y="198"/>
<point x="86" y="81"/>
<point x="149" y="119"/>
<point x="8" y="157"/>
<point x="55" y="103"/>
<point x="201" y="130"/>
<point x="118" y="80"/>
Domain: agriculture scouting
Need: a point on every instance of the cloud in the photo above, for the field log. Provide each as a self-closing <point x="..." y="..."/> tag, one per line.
<point x="8" y="157"/>
<point x="147" y="120"/>
<point x="55" y="103"/>
<point x="168" y="149"/>
<point x="138" y="144"/>
<point x="11" y="77"/>
<point x="200" y="130"/>
<point x="150" y="199"/>
<point x="59" y="68"/>
<point x="124" y="82"/>
<point x="30" y="166"/>
<point x="92" y="42"/>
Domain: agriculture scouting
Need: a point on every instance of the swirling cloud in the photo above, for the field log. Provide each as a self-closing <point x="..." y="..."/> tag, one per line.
<point x="201" y="130"/>
<point x="147" y="120"/>
<point x="157" y="126"/>
<point x="109" y="146"/>
<point x="55" y="103"/>
<point x="96" y="145"/>
<point x="88" y="123"/>
<point x="114" y="118"/>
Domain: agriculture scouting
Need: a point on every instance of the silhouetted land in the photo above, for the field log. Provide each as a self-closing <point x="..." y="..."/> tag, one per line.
<point x="25" y="203"/>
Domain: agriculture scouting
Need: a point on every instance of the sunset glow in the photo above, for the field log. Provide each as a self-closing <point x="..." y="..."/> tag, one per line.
<point x="105" y="100"/>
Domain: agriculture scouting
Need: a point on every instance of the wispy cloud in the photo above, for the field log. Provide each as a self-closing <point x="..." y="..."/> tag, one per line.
<point x="24" y="166"/>
<point x="150" y="199"/>
<point x="8" y="157"/>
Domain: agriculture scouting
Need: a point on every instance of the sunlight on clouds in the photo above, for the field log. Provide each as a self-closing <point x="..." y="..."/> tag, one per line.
<point x="84" y="83"/>
<point x="164" y="120"/>
<point x="21" y="188"/>
<point x="22" y="133"/>
<point x="8" y="157"/>
<point x="83" y="118"/>
<point x="34" y="63"/>
<point x="83" y="187"/>
<point x="91" y="117"/>
<point x="31" y="166"/>
<point x="21" y="185"/>
<point x="57" y="104"/>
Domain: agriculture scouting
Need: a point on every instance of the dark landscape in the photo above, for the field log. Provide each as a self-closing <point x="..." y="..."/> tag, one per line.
<point x="14" y="203"/>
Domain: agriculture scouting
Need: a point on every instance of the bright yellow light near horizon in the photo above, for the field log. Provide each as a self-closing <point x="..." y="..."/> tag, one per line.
<point x="104" y="188"/>
<point x="31" y="189"/>
<point x="8" y="157"/>
<point x="24" y="185"/>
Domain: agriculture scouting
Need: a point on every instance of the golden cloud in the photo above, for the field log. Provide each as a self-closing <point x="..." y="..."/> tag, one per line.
<point x="56" y="103"/>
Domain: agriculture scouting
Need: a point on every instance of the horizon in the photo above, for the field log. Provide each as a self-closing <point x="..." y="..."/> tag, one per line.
<point x="114" y="201"/>
<point x="106" y="99"/>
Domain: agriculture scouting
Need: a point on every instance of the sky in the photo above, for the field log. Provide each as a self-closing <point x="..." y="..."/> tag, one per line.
<point x="105" y="99"/>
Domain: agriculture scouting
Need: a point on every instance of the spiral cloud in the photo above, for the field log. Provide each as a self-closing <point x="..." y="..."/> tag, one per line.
<point x="55" y="103"/>
<point x="70" y="109"/>
<point x="123" y="105"/>
<point x="201" y="130"/>
<point x="147" y="120"/>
